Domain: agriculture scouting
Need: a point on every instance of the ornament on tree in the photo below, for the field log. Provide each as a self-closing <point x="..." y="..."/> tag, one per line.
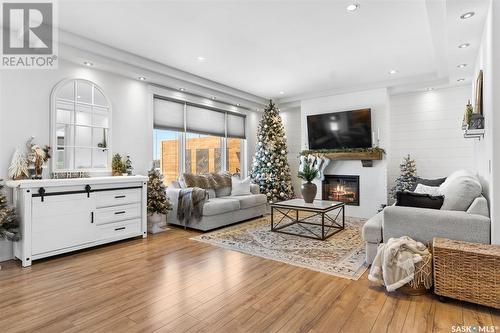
<point x="270" y="166"/>
<point x="407" y="178"/>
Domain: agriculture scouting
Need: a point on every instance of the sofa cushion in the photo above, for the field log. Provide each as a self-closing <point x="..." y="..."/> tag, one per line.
<point x="222" y="192"/>
<point x="372" y="230"/>
<point x="248" y="201"/>
<point x="419" y="200"/>
<point x="459" y="190"/>
<point x="218" y="206"/>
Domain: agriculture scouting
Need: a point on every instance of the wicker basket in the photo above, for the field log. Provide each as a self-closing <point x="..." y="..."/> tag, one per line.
<point x="467" y="271"/>
<point x="418" y="289"/>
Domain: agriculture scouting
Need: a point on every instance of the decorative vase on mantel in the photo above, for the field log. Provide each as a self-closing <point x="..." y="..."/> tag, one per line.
<point x="308" y="191"/>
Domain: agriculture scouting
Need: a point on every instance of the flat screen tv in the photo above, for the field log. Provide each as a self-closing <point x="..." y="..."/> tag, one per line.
<point x="347" y="129"/>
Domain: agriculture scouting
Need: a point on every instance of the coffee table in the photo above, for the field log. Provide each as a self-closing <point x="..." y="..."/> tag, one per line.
<point x="290" y="209"/>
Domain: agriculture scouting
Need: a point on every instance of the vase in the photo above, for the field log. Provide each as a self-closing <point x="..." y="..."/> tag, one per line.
<point x="308" y="192"/>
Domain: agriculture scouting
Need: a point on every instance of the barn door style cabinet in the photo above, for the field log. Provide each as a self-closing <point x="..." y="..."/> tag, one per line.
<point x="63" y="215"/>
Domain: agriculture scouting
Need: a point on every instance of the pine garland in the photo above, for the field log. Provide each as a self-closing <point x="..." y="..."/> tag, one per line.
<point x="270" y="169"/>
<point x="9" y="224"/>
<point x="158" y="202"/>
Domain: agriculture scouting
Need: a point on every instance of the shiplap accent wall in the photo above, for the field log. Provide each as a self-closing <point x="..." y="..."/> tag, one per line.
<point x="291" y="122"/>
<point x="427" y="125"/>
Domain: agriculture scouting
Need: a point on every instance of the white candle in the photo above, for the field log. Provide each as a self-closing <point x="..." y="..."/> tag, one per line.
<point x="373" y="138"/>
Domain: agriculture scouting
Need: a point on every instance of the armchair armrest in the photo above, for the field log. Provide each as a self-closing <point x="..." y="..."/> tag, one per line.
<point x="423" y="224"/>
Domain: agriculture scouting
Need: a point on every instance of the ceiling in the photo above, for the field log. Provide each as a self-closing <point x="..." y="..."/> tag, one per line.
<point x="285" y="49"/>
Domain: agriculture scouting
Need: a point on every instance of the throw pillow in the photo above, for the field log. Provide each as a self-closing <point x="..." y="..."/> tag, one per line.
<point x="459" y="190"/>
<point x="420" y="200"/>
<point x="424" y="189"/>
<point x="240" y="187"/>
<point x="222" y="179"/>
<point x="428" y="182"/>
<point x="201" y="181"/>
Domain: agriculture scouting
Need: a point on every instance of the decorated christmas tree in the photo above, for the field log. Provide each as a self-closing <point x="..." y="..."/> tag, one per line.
<point x="270" y="168"/>
<point x="408" y="176"/>
<point x="9" y="226"/>
<point x="158" y="201"/>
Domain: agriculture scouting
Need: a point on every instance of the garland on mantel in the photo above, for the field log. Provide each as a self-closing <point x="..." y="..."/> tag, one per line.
<point x="342" y="150"/>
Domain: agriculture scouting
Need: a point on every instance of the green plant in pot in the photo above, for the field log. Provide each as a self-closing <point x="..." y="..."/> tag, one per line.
<point x="308" y="173"/>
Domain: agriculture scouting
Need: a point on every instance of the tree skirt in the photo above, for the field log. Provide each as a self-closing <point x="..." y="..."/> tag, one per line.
<point x="342" y="255"/>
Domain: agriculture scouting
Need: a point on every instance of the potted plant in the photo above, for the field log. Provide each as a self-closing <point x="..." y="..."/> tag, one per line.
<point x="117" y="166"/>
<point x="158" y="202"/>
<point x="308" y="174"/>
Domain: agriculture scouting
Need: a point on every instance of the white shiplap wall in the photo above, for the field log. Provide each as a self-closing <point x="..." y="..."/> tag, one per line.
<point x="427" y="125"/>
<point x="291" y="122"/>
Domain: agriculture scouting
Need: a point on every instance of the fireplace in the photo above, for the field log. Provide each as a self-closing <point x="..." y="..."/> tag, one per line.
<point x="341" y="188"/>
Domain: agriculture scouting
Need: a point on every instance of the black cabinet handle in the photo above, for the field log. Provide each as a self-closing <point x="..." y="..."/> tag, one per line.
<point x="122" y="212"/>
<point x="121" y="228"/>
<point x="91" y="217"/>
<point x="87" y="189"/>
<point x="119" y="196"/>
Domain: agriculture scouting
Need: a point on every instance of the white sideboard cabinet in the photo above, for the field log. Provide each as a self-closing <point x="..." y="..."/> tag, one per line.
<point x="63" y="215"/>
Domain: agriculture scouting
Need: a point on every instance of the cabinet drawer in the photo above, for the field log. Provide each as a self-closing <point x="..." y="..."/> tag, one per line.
<point x="118" y="197"/>
<point x="117" y="213"/>
<point x="118" y="230"/>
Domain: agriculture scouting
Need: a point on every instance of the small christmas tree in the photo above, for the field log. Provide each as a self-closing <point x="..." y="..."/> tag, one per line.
<point x="270" y="168"/>
<point x="408" y="176"/>
<point x="158" y="202"/>
<point x="117" y="165"/>
<point x="9" y="225"/>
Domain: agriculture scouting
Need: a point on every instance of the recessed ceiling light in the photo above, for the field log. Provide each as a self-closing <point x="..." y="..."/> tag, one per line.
<point x="213" y="98"/>
<point x="200" y="58"/>
<point x="460" y="80"/>
<point x="142" y="78"/>
<point x="463" y="46"/>
<point x="182" y="89"/>
<point x="352" y="7"/>
<point x="393" y="71"/>
<point x="88" y="63"/>
<point x="78" y="97"/>
<point x="462" y="65"/>
<point x="467" y="15"/>
<point x="430" y="89"/>
<point x="238" y="104"/>
<point x="282" y="92"/>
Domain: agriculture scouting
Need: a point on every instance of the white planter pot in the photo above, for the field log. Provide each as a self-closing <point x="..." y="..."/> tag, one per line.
<point x="156" y="223"/>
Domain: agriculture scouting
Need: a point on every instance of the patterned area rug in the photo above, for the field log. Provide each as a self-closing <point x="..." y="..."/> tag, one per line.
<point x="341" y="255"/>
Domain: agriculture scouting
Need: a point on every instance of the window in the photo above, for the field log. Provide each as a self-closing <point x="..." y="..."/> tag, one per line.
<point x="196" y="139"/>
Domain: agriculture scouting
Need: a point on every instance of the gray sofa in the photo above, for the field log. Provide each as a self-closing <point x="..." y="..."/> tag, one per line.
<point x="471" y="224"/>
<point x="223" y="209"/>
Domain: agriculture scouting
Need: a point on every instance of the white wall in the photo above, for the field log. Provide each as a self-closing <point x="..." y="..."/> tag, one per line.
<point x="292" y="124"/>
<point x="373" y="181"/>
<point x="486" y="152"/>
<point x="427" y="125"/>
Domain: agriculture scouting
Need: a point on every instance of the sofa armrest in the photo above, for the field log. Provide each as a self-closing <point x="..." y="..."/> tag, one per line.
<point x="173" y="195"/>
<point x="254" y="189"/>
<point x="423" y="224"/>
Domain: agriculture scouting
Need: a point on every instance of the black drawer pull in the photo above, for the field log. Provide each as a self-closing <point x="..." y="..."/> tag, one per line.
<point x="121" y="228"/>
<point x="122" y="212"/>
<point x="119" y="196"/>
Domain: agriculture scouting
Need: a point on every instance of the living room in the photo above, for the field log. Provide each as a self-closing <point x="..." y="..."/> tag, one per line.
<point x="249" y="166"/>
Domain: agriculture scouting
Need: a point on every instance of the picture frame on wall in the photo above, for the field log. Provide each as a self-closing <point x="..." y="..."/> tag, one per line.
<point x="479" y="93"/>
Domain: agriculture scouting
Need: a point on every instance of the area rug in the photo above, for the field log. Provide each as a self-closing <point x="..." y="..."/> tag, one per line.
<point x="341" y="255"/>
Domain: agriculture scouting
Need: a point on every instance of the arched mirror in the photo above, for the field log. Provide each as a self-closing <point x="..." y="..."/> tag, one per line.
<point x="80" y="127"/>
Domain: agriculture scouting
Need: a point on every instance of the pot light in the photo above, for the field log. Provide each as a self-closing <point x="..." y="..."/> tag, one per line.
<point x="430" y="89"/>
<point x="282" y="92"/>
<point x="182" y="89"/>
<point x="467" y="15"/>
<point x="352" y="7"/>
<point x="238" y="104"/>
<point x="88" y="64"/>
<point x="460" y="80"/>
<point x="393" y="71"/>
<point x="201" y="59"/>
<point x="213" y="98"/>
<point x="462" y="65"/>
<point x="142" y="78"/>
<point x="463" y="46"/>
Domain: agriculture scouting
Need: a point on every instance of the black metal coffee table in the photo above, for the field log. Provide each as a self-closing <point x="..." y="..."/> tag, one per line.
<point x="329" y="225"/>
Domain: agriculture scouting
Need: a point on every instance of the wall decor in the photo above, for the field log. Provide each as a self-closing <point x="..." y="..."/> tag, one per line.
<point x="479" y="93"/>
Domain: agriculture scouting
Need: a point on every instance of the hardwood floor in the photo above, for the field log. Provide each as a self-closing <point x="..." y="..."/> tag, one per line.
<point x="168" y="283"/>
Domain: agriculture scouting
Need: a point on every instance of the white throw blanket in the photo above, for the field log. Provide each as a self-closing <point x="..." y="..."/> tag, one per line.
<point x="394" y="264"/>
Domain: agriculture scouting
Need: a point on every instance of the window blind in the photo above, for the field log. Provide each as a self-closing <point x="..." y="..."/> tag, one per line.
<point x="168" y="115"/>
<point x="205" y="121"/>
<point x="236" y="126"/>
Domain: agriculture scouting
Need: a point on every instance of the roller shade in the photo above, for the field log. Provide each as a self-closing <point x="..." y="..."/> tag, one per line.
<point x="205" y="121"/>
<point x="168" y="115"/>
<point x="236" y="126"/>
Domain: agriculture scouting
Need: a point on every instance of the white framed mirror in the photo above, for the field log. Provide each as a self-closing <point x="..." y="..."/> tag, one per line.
<point x="80" y="134"/>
